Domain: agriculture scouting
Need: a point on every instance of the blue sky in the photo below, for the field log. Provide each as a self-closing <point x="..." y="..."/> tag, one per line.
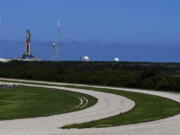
<point x="149" y="22"/>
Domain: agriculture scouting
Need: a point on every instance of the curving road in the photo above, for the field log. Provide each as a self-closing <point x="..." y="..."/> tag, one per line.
<point x="108" y="105"/>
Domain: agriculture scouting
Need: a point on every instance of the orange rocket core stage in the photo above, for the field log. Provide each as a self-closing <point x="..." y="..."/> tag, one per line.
<point x="28" y="43"/>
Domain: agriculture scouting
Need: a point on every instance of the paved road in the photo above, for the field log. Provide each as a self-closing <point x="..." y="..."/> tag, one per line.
<point x="107" y="106"/>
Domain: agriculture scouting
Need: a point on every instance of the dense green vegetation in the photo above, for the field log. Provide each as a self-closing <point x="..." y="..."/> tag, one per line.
<point x="148" y="108"/>
<point x="27" y="102"/>
<point x="160" y="76"/>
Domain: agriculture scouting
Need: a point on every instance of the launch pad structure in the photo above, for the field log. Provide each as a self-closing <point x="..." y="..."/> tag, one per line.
<point x="27" y="56"/>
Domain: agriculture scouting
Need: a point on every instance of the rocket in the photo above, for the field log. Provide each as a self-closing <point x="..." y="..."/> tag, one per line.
<point x="28" y="43"/>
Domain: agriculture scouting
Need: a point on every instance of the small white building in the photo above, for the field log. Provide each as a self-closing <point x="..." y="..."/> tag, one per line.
<point x="4" y="60"/>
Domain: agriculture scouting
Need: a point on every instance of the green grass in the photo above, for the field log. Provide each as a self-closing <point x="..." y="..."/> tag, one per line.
<point x="148" y="108"/>
<point x="28" y="102"/>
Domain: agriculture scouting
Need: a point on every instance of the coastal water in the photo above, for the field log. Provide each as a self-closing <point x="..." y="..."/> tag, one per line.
<point x="97" y="51"/>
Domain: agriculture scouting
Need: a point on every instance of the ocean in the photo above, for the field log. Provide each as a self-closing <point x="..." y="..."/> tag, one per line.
<point x="96" y="50"/>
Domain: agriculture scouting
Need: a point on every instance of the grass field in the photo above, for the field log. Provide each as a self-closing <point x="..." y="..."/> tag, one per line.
<point x="148" y="108"/>
<point x="27" y="102"/>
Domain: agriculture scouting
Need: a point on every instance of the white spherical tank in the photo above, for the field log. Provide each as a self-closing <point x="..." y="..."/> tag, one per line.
<point x="116" y="59"/>
<point x="85" y="58"/>
<point x="54" y="44"/>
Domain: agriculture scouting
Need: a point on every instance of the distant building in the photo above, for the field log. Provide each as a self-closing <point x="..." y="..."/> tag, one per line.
<point x="4" y="60"/>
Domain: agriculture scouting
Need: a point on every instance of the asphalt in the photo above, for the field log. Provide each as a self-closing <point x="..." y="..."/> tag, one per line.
<point x="107" y="105"/>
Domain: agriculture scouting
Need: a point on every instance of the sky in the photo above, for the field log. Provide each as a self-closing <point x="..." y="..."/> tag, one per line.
<point x="147" y="22"/>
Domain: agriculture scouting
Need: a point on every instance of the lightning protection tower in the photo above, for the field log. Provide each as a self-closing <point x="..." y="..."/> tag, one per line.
<point x="1" y="44"/>
<point x="56" y="45"/>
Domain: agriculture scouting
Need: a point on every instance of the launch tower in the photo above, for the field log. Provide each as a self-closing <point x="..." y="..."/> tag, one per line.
<point x="27" y="54"/>
<point x="28" y="43"/>
<point x="1" y="44"/>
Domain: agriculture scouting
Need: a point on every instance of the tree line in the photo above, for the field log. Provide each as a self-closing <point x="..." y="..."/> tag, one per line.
<point x="157" y="76"/>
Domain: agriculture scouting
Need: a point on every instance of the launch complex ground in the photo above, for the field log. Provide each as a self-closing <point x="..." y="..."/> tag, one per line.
<point x="28" y="55"/>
